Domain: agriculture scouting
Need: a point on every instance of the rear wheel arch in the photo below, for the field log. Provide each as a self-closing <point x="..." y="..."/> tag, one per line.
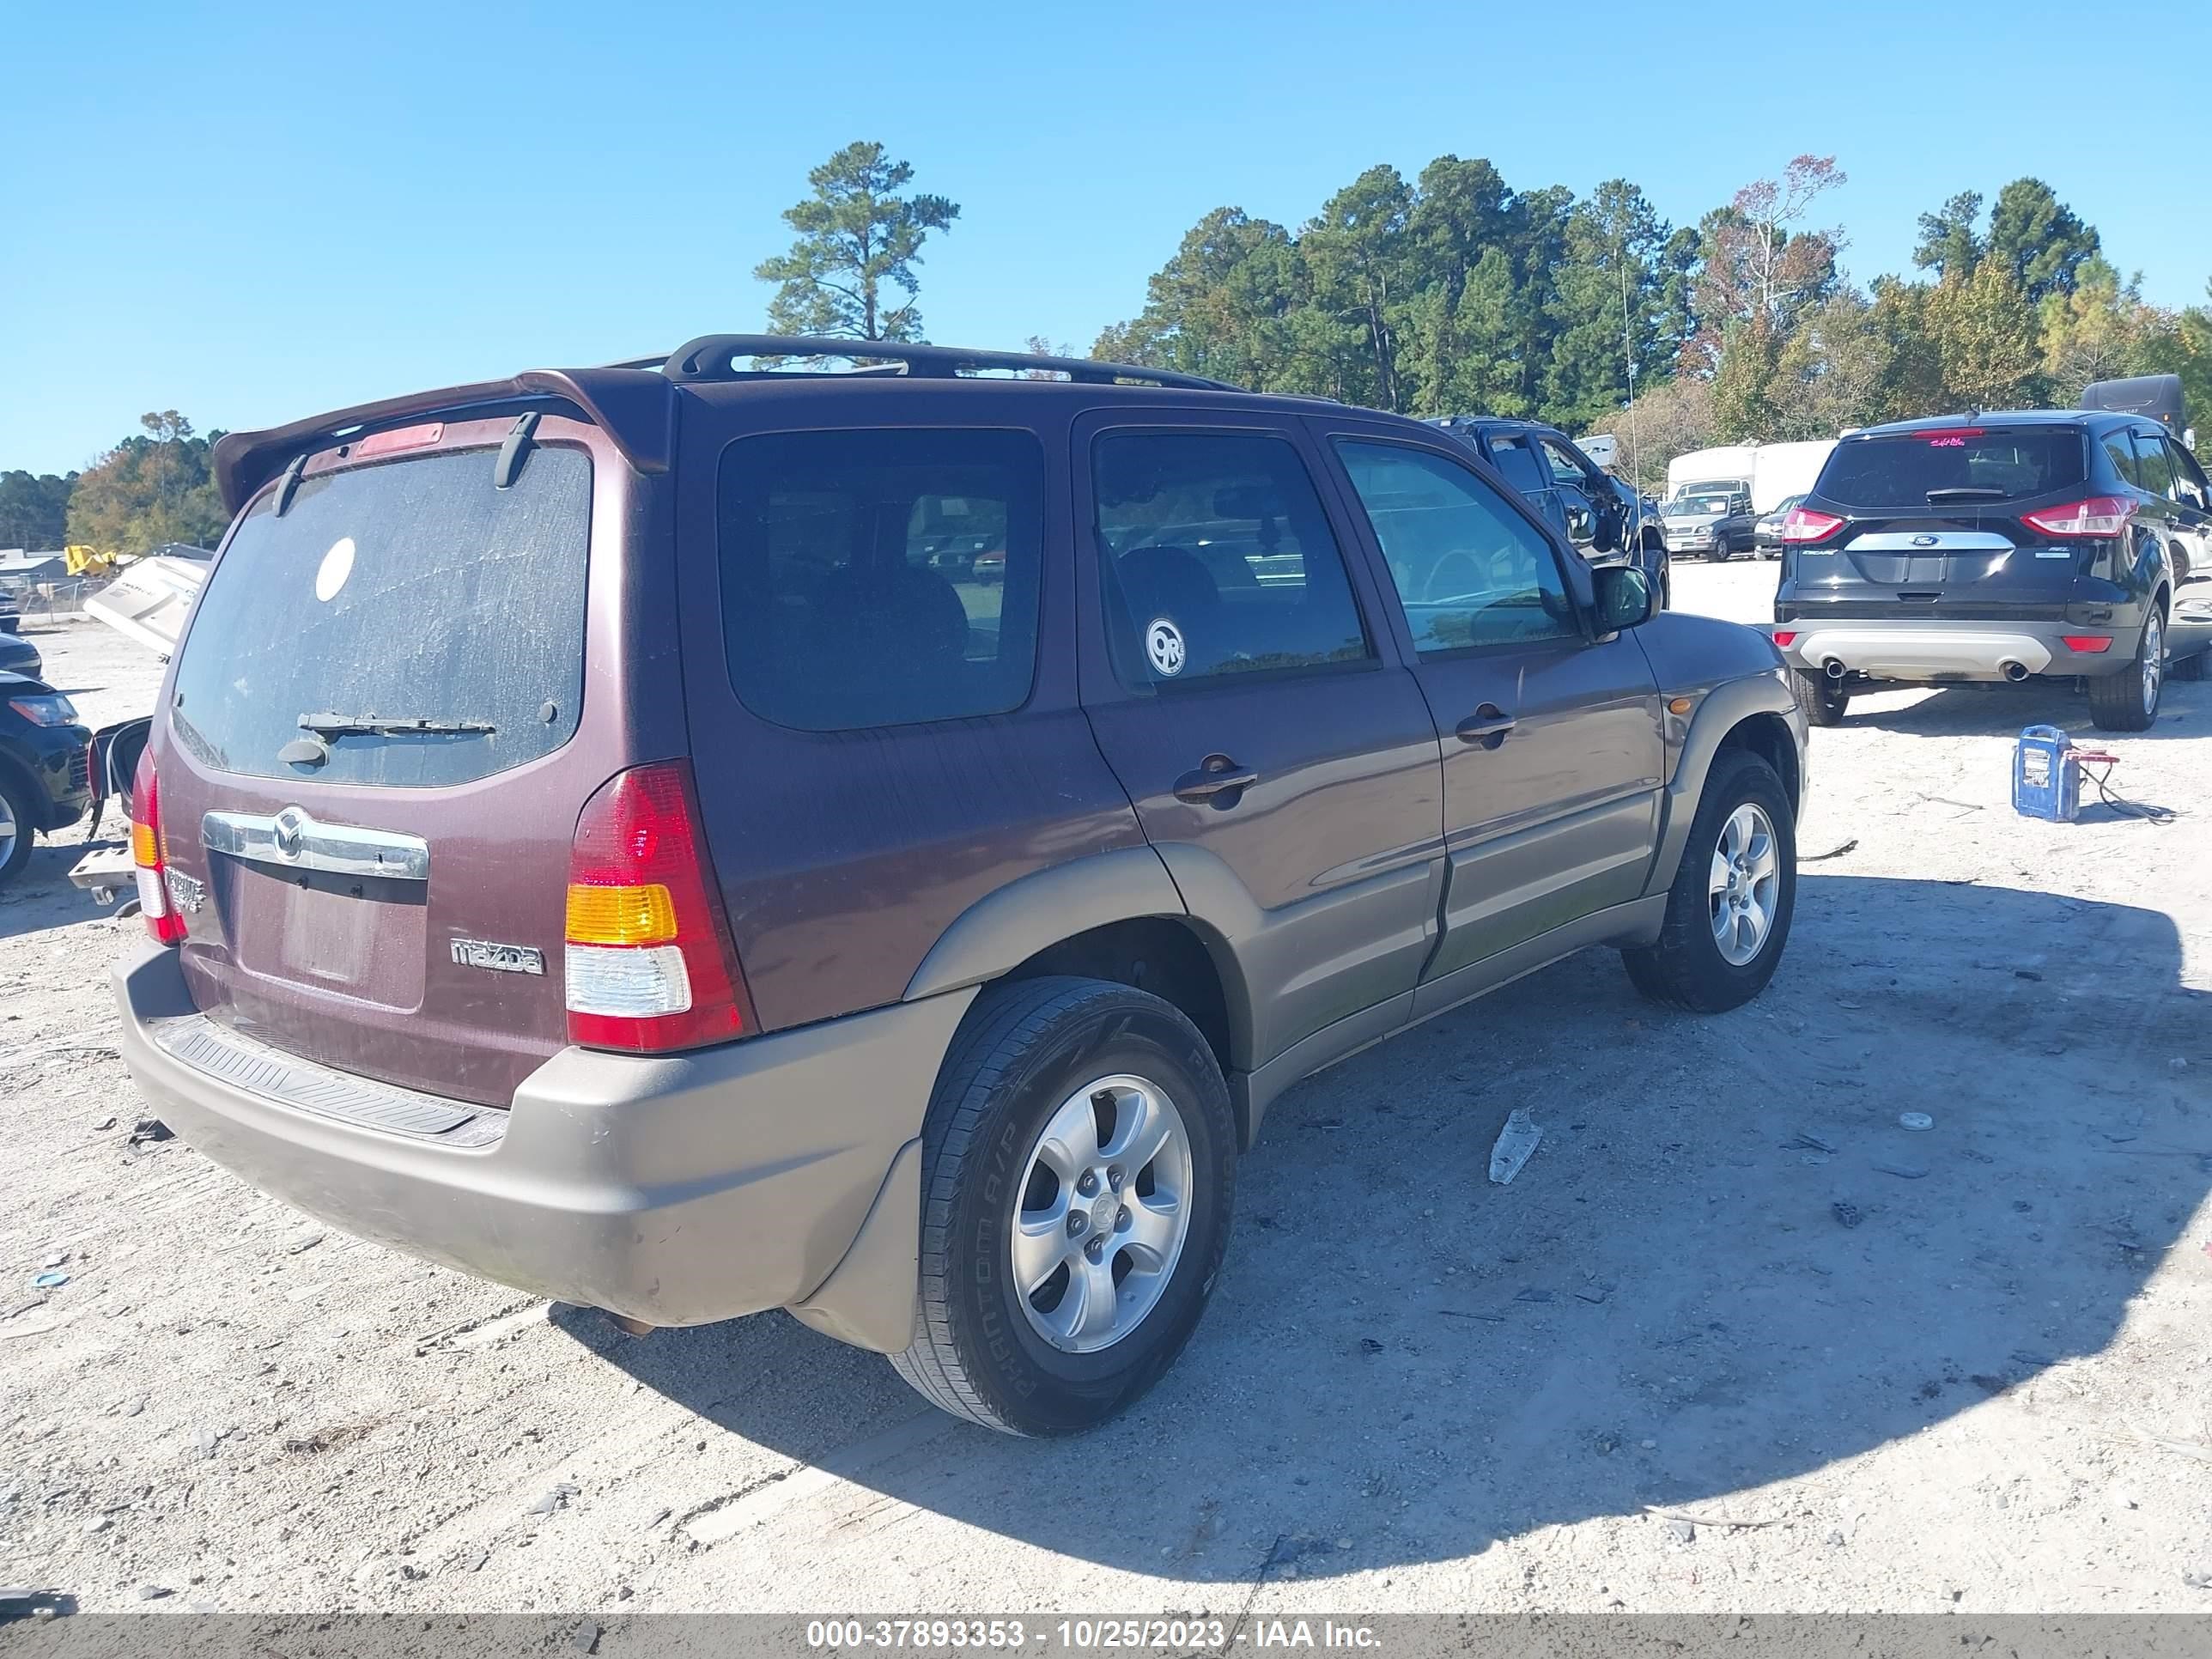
<point x="1168" y="956"/>
<point x="23" y="784"/>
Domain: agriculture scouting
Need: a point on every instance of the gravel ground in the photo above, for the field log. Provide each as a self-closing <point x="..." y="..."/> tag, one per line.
<point x="1734" y="1340"/>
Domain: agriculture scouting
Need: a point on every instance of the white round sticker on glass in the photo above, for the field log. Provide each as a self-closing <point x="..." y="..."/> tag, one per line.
<point x="337" y="565"/>
<point x="1163" y="645"/>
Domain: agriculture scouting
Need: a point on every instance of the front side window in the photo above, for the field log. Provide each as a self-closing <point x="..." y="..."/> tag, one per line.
<point x="1469" y="569"/>
<point x="1215" y="558"/>
<point x="881" y="578"/>
<point x="1565" y="468"/>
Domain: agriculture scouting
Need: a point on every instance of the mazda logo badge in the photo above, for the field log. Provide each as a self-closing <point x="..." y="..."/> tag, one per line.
<point x="290" y="833"/>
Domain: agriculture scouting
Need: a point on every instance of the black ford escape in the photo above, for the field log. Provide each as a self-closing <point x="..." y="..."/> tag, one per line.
<point x="1995" y="547"/>
<point x="875" y="844"/>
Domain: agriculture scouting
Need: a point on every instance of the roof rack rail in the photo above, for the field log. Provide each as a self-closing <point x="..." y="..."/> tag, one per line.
<point x="713" y="357"/>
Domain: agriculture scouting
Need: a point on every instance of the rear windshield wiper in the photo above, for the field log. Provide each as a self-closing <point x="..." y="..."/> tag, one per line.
<point x="1966" y="492"/>
<point x="327" y="724"/>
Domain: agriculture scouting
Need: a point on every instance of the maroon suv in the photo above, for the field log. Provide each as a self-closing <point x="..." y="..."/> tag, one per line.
<point x="603" y="832"/>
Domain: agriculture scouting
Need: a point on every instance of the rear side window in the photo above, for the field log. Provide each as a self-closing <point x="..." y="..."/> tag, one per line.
<point x="1901" y="469"/>
<point x="408" y="591"/>
<point x="1516" y="458"/>
<point x="1216" y="558"/>
<point x="2122" y="454"/>
<point x="881" y="578"/>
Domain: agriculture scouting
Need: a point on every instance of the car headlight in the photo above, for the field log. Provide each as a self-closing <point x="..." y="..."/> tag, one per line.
<point x="51" y="709"/>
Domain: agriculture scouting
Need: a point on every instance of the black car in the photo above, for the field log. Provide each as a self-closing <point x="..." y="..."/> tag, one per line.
<point x="1607" y="521"/>
<point x="1994" y="547"/>
<point x="45" y="767"/>
<point x="19" y="656"/>
<point x="11" y="613"/>
<point x="1766" y="532"/>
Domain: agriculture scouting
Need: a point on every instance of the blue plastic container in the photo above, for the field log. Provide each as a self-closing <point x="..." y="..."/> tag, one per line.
<point x="2046" y="775"/>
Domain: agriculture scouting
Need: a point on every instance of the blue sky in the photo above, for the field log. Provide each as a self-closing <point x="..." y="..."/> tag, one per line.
<point x="251" y="213"/>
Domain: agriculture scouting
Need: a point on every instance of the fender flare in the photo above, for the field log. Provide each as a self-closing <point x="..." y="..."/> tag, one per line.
<point x="1011" y="923"/>
<point x="1722" y="709"/>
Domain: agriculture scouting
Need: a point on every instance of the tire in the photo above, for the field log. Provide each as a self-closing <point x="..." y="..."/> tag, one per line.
<point x="15" y="822"/>
<point x="2127" y="700"/>
<point x="1025" y="1054"/>
<point x="1822" y="700"/>
<point x="1686" y="968"/>
<point x="1719" y="552"/>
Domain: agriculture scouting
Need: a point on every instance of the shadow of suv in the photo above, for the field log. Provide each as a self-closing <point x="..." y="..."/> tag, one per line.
<point x="728" y="903"/>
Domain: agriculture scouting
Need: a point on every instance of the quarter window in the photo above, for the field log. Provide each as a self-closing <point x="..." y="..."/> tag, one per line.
<point x="881" y="578"/>
<point x="1216" y="557"/>
<point x="1469" y="569"/>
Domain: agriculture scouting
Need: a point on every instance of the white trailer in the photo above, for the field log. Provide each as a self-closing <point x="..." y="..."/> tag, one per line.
<point x="1772" y="472"/>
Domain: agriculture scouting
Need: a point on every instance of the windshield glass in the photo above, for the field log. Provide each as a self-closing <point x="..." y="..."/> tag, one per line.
<point x="411" y="591"/>
<point x="1899" y="469"/>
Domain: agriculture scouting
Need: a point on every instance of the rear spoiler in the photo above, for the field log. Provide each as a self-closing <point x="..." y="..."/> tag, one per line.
<point x="635" y="406"/>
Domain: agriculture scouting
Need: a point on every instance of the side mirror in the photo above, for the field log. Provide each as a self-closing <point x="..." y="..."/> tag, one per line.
<point x="1582" y="524"/>
<point x="1624" y="597"/>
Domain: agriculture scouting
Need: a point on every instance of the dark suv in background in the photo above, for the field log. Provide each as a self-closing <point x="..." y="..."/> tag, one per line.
<point x="1605" y="517"/>
<point x="44" y="772"/>
<point x="1995" y="547"/>
<point x="730" y="900"/>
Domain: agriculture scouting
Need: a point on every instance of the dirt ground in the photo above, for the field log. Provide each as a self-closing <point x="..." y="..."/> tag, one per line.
<point x="1734" y="1340"/>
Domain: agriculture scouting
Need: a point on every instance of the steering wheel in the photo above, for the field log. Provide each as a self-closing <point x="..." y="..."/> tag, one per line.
<point x="1467" y="577"/>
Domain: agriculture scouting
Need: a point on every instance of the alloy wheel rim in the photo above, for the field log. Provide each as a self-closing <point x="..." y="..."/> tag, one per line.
<point x="1745" y="884"/>
<point x="2154" y="662"/>
<point x="1102" y="1213"/>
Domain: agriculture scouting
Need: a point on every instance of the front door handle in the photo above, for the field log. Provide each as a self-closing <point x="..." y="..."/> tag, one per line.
<point x="1487" y="726"/>
<point x="1217" y="776"/>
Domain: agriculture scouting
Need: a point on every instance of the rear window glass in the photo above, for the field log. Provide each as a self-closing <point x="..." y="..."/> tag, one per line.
<point x="1900" y="469"/>
<point x="881" y="578"/>
<point x="408" y="591"/>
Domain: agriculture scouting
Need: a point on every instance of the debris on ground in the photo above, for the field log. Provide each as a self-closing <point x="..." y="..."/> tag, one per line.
<point x="1915" y="1120"/>
<point x="1847" y="1214"/>
<point x="150" y="1130"/>
<point x="1516" y="1142"/>
<point x="300" y="1242"/>
<point x="49" y="1281"/>
<point x="1851" y="846"/>
<point x="1903" y="1172"/>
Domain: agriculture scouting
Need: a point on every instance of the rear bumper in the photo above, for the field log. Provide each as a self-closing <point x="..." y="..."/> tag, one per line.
<point x="1946" y="651"/>
<point x="675" y="1191"/>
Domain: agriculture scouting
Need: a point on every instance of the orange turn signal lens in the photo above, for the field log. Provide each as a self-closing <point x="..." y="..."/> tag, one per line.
<point x="643" y="914"/>
<point x="145" y="852"/>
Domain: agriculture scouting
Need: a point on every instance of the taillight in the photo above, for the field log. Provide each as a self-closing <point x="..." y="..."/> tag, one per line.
<point x="2099" y="515"/>
<point x="1785" y="637"/>
<point x="150" y="854"/>
<point x="1803" y="525"/>
<point x="650" y="965"/>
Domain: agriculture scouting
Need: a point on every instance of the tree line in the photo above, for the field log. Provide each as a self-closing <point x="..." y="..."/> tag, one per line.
<point x="1453" y="293"/>
<point x="156" y="486"/>
<point x="1457" y="294"/>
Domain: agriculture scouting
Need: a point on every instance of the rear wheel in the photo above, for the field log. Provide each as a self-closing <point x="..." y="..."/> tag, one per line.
<point x="1821" y="698"/>
<point x="1729" y="911"/>
<point x="15" y="827"/>
<point x="2127" y="700"/>
<point x="1078" y="1170"/>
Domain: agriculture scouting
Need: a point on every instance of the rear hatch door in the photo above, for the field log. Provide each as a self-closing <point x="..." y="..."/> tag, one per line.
<point x="378" y="738"/>
<point x="1935" y="523"/>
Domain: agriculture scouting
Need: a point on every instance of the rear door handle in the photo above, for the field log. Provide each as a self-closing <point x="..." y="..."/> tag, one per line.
<point x="1217" y="776"/>
<point x="1487" y="726"/>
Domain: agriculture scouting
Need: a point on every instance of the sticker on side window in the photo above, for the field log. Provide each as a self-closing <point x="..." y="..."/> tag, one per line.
<point x="337" y="566"/>
<point x="1164" y="646"/>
